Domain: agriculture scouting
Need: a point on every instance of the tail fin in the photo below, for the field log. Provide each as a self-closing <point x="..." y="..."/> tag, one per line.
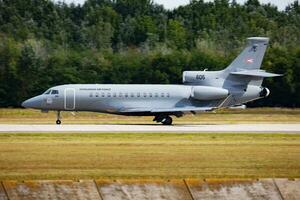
<point x="245" y="69"/>
<point x="252" y="56"/>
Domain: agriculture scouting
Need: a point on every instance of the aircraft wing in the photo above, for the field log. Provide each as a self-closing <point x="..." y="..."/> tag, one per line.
<point x="134" y="110"/>
<point x="257" y="73"/>
<point x="183" y="109"/>
<point x="168" y="110"/>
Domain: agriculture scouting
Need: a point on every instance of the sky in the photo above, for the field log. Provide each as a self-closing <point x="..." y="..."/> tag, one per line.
<point x="171" y="4"/>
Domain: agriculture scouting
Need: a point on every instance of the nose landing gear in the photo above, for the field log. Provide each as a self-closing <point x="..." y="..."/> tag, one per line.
<point x="58" y="122"/>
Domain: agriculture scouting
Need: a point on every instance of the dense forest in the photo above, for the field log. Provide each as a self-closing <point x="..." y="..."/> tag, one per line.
<point x="43" y="44"/>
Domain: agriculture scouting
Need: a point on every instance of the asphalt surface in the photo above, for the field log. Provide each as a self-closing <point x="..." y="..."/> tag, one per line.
<point x="226" y="128"/>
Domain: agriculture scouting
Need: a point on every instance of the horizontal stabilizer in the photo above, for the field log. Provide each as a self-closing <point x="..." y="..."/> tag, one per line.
<point x="168" y="110"/>
<point x="256" y="73"/>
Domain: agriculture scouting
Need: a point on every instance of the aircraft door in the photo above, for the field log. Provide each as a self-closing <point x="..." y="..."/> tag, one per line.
<point x="70" y="99"/>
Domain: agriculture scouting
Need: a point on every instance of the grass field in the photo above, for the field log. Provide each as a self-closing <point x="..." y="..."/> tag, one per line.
<point x="84" y="156"/>
<point x="261" y="115"/>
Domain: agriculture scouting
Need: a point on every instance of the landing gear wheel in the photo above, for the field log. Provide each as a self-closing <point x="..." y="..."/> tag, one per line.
<point x="58" y="122"/>
<point x="167" y="121"/>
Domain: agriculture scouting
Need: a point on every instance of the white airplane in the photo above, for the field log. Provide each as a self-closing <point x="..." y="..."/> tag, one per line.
<point x="201" y="91"/>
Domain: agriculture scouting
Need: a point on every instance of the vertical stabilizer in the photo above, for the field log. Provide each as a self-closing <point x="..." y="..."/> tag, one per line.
<point x="252" y="56"/>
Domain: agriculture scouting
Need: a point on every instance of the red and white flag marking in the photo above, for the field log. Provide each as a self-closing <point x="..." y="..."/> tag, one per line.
<point x="250" y="61"/>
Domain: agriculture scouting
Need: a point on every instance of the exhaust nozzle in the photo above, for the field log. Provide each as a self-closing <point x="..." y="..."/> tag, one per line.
<point x="265" y="92"/>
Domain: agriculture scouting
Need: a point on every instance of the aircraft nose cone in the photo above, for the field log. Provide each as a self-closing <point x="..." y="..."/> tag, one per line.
<point x="35" y="102"/>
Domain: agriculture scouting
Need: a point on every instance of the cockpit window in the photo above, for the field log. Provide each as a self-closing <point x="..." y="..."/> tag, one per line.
<point x="48" y="92"/>
<point x="54" y="92"/>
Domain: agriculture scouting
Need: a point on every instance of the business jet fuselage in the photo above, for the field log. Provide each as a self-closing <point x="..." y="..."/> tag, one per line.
<point x="201" y="91"/>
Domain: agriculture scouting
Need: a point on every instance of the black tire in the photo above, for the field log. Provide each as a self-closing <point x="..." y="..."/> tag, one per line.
<point x="167" y="121"/>
<point x="159" y="118"/>
<point x="58" y="122"/>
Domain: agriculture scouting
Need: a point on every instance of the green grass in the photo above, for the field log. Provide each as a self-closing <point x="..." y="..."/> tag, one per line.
<point x="260" y="115"/>
<point x="84" y="156"/>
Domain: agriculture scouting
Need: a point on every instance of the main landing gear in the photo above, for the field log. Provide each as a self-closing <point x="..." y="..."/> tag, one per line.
<point x="58" y="122"/>
<point x="164" y="119"/>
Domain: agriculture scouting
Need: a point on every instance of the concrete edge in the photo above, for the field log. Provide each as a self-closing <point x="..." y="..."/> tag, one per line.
<point x="185" y="184"/>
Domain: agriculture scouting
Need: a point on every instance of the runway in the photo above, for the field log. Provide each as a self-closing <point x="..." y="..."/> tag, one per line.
<point x="225" y="128"/>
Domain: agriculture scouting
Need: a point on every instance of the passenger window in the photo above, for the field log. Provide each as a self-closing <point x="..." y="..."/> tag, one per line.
<point x="168" y="95"/>
<point x="145" y="95"/>
<point x="91" y="94"/>
<point x="115" y="95"/>
<point x="126" y="95"/>
<point x="103" y="94"/>
<point x="156" y="95"/>
<point x="120" y="95"/>
<point x="108" y="95"/>
<point x="54" y="92"/>
<point x="132" y="95"/>
<point x="138" y="94"/>
<point x="97" y="94"/>
<point x="150" y="94"/>
<point x="162" y="94"/>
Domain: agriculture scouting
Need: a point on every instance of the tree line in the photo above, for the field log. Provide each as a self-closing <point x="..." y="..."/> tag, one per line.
<point x="43" y="44"/>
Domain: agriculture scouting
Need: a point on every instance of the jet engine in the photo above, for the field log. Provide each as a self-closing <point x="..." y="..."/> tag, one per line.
<point x="205" y="93"/>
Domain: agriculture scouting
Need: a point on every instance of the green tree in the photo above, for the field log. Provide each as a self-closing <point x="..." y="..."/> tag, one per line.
<point x="138" y="41"/>
<point x="176" y="34"/>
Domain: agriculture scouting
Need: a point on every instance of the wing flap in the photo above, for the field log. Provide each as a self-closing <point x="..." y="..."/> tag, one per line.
<point x="257" y="73"/>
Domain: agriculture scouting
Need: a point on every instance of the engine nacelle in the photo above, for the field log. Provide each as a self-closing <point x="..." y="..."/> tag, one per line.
<point x="205" y="93"/>
<point x="252" y="92"/>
